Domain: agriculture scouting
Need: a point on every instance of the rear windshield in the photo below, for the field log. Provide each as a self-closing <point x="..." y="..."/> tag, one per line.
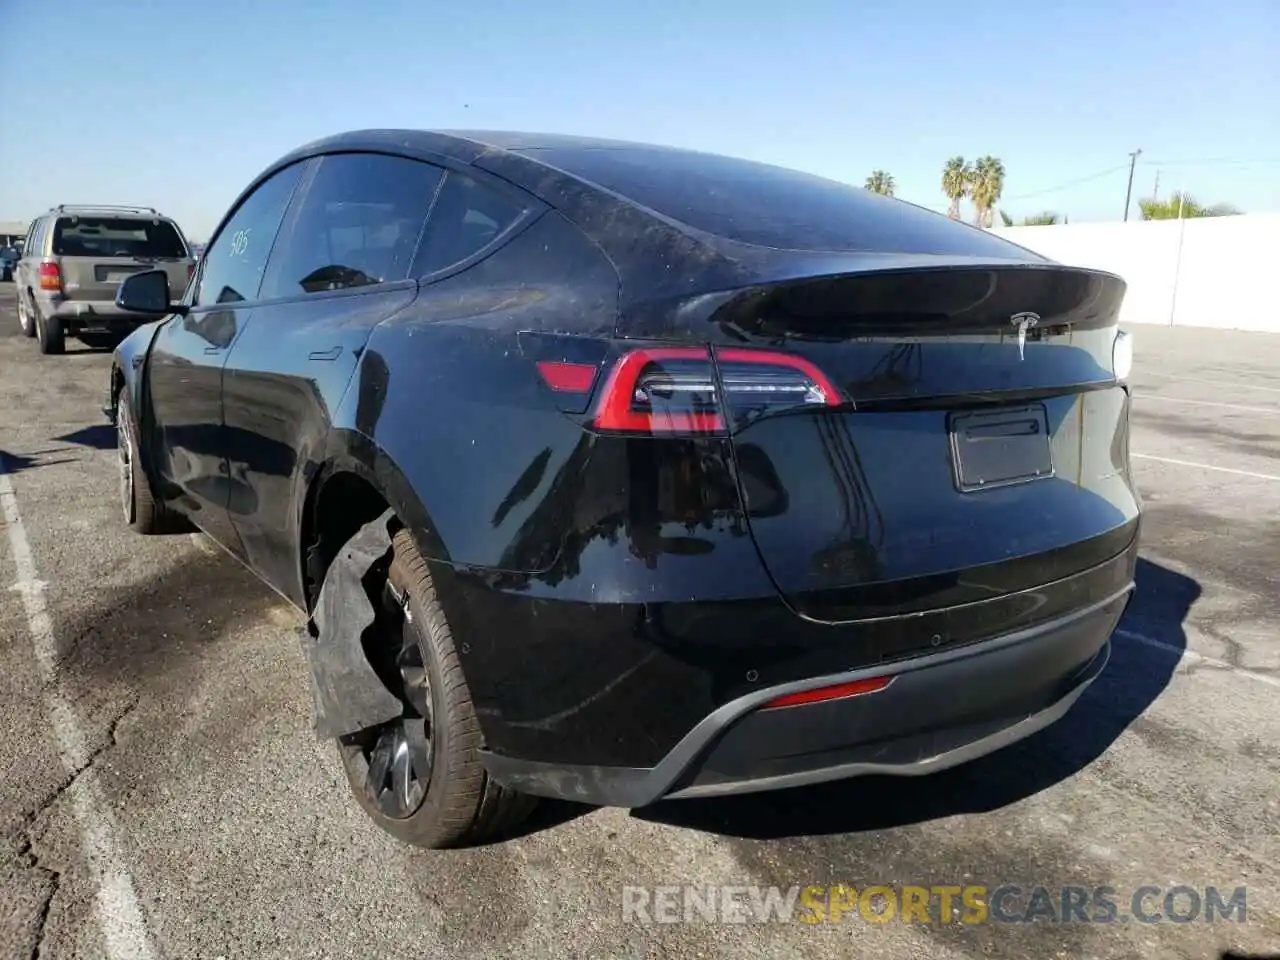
<point x="770" y="206"/>
<point x="116" y="237"/>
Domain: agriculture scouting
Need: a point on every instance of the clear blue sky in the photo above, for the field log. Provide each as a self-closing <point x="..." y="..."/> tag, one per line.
<point x="136" y="102"/>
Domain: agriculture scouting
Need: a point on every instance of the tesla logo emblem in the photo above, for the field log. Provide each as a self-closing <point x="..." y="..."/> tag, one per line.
<point x="1024" y="322"/>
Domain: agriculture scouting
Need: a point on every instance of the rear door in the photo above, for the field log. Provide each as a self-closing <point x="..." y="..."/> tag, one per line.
<point x="96" y="252"/>
<point x="340" y="267"/>
<point x="967" y="438"/>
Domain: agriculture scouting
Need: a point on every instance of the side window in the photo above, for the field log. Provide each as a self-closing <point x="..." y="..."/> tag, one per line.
<point x="467" y="217"/>
<point x="357" y="224"/>
<point x="34" y="246"/>
<point x="234" y="263"/>
<point x="29" y="242"/>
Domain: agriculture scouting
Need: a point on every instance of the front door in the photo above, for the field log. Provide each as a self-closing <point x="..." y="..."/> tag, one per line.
<point x="188" y="356"/>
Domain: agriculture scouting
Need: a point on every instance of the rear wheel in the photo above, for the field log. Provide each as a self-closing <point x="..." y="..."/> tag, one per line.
<point x="420" y="777"/>
<point x="52" y="336"/>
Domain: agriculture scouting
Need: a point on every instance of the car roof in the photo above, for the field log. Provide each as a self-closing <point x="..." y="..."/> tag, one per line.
<point x="461" y="145"/>
<point x="648" y="206"/>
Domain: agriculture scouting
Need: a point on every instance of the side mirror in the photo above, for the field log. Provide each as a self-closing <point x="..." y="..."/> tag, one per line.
<point x="147" y="292"/>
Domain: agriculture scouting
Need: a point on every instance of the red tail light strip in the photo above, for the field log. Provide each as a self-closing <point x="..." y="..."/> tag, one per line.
<point x="839" y="691"/>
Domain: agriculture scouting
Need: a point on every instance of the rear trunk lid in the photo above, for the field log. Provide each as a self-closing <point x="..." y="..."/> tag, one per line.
<point x="978" y="446"/>
<point x="96" y="253"/>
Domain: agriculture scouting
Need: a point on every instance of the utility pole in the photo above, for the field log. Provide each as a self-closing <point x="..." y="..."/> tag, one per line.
<point x="1155" y="194"/>
<point x="1128" y="191"/>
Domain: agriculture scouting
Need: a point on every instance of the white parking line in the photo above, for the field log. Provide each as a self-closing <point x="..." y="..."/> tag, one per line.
<point x="119" y="914"/>
<point x="1206" y="466"/>
<point x="1198" y="657"/>
<point x="1268" y="411"/>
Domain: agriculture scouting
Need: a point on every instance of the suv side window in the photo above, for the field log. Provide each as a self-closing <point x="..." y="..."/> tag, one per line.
<point x="34" y="246"/>
<point x="466" y="218"/>
<point x="357" y="224"/>
<point x="234" y="263"/>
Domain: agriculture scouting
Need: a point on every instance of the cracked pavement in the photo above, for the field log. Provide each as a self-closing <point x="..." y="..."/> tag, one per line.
<point x="185" y="679"/>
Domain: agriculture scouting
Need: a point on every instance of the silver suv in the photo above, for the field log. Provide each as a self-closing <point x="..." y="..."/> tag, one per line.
<point x="76" y="256"/>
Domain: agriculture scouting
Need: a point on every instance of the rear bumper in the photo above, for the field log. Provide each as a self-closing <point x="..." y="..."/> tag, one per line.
<point x="95" y="314"/>
<point x="938" y="711"/>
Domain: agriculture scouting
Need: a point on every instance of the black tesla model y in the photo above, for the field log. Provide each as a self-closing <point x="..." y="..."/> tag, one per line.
<point x="617" y="473"/>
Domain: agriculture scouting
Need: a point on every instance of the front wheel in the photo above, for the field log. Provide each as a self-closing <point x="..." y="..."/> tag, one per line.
<point x="26" y="318"/>
<point x="420" y="777"/>
<point x="141" y="511"/>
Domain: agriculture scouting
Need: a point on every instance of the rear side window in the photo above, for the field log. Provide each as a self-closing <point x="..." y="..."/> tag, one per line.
<point x="770" y="206"/>
<point x="466" y="218"/>
<point x="117" y="237"/>
<point x="357" y="224"/>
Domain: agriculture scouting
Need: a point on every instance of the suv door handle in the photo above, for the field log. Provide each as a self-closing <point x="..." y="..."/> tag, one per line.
<point x="331" y="354"/>
<point x="212" y="350"/>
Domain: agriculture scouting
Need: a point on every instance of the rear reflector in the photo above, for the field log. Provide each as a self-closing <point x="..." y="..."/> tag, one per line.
<point x="567" y="377"/>
<point x="839" y="691"/>
<point x="50" y="277"/>
<point x="676" y="389"/>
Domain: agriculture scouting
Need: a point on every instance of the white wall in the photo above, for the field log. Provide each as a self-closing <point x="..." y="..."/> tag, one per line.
<point x="1221" y="277"/>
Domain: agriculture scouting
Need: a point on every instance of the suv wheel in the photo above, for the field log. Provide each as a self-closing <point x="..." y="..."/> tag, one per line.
<point x="26" y="319"/>
<point x="420" y="777"/>
<point x="52" y="336"/>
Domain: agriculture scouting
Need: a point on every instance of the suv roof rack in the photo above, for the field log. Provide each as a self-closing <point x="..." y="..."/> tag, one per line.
<point x="103" y="207"/>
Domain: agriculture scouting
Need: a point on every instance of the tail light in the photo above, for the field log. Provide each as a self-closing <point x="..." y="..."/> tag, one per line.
<point x="191" y="271"/>
<point x="50" y="277"/>
<point x="676" y="389"/>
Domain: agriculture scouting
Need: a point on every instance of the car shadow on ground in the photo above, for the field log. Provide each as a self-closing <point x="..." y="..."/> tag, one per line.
<point x="1136" y="675"/>
<point x="16" y="463"/>
<point x="100" y="436"/>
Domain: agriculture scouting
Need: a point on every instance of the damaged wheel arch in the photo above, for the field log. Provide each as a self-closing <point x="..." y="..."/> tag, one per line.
<point x="387" y="686"/>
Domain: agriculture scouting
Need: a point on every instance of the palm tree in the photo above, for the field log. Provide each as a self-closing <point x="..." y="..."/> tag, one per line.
<point x="955" y="184"/>
<point x="986" y="183"/>
<point x="1182" y="205"/>
<point x="881" y="182"/>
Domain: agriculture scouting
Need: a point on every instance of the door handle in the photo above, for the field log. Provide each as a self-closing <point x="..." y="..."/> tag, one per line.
<point x="212" y="350"/>
<point x="331" y="354"/>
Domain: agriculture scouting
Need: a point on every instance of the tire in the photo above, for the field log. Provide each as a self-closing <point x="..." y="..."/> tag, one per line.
<point x="462" y="805"/>
<point x="26" y="319"/>
<point x="50" y="332"/>
<point x="141" y="511"/>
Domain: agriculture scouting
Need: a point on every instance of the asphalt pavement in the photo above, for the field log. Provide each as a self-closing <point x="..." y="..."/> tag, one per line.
<point x="162" y="794"/>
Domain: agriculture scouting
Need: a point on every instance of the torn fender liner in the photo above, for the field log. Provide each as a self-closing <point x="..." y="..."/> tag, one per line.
<point x="347" y="692"/>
